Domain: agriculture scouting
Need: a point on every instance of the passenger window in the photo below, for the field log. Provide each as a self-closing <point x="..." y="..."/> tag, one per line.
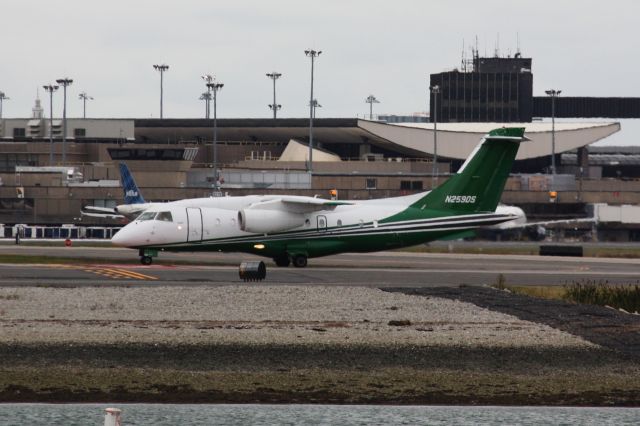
<point x="339" y="222"/>
<point x="164" y="216"/>
<point x="147" y="216"/>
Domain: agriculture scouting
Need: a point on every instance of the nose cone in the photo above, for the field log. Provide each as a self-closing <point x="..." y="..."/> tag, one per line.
<point x="125" y="237"/>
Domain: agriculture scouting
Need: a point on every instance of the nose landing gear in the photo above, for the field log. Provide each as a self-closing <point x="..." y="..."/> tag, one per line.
<point x="146" y="256"/>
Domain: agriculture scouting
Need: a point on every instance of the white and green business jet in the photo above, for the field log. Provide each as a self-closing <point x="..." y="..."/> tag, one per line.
<point x="291" y="229"/>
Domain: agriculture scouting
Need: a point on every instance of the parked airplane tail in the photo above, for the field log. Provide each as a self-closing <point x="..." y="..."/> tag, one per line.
<point x="131" y="192"/>
<point x="478" y="185"/>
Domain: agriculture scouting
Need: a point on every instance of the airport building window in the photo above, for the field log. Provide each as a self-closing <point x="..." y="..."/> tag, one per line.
<point x="79" y="133"/>
<point x="101" y="202"/>
<point x="371" y="183"/>
<point x="414" y="185"/>
<point x="19" y="132"/>
<point x="146" y="154"/>
<point x="8" y="162"/>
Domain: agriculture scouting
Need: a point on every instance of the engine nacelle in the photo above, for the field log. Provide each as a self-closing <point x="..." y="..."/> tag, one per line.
<point x="262" y="221"/>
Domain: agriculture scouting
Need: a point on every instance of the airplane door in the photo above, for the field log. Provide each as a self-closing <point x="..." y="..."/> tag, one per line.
<point x="194" y="223"/>
<point x="322" y="223"/>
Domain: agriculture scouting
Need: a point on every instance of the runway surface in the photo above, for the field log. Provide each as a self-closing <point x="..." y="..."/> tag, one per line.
<point x="386" y="269"/>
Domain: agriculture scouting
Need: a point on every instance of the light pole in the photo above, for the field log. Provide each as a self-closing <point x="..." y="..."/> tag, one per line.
<point x="64" y="82"/>
<point x="311" y="54"/>
<point x="435" y="90"/>
<point x="161" y="68"/>
<point x="553" y="93"/>
<point x="50" y="88"/>
<point x="84" y="97"/>
<point x="3" y="98"/>
<point x="206" y="97"/>
<point x="315" y="105"/>
<point x="274" y="106"/>
<point x="371" y="100"/>
<point x="214" y="87"/>
<point x="208" y="78"/>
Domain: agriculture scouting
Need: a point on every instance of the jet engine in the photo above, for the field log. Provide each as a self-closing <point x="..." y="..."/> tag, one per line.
<point x="263" y="221"/>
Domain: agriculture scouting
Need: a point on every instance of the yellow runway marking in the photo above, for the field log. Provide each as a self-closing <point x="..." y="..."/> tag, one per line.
<point x="113" y="273"/>
<point x="132" y="274"/>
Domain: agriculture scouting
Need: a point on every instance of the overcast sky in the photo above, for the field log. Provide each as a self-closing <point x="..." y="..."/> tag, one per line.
<point x="385" y="48"/>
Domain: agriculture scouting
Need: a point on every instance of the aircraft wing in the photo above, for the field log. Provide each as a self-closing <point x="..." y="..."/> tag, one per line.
<point x="299" y="204"/>
<point x="96" y="209"/>
<point x="124" y="211"/>
<point x="549" y="222"/>
<point x="101" y="212"/>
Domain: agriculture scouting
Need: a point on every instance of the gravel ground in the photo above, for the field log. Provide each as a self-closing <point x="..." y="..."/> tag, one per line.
<point x="247" y="344"/>
<point x="260" y="315"/>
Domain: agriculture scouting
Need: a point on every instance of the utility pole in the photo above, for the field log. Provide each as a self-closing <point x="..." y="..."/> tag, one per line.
<point x="50" y="88"/>
<point x="214" y="87"/>
<point x="371" y="100"/>
<point x="311" y="54"/>
<point x="274" y="106"/>
<point x="435" y="90"/>
<point x="161" y="68"/>
<point x="64" y="82"/>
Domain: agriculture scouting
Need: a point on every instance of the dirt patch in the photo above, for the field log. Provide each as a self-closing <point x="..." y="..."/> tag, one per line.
<point x="606" y="327"/>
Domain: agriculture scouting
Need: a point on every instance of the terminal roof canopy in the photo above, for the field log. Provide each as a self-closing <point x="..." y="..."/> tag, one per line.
<point x="455" y="140"/>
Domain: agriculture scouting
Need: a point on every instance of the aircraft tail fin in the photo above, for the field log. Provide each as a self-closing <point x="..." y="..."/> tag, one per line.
<point x="132" y="194"/>
<point x="478" y="185"/>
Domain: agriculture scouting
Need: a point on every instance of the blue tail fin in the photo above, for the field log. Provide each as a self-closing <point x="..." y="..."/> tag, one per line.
<point x="131" y="192"/>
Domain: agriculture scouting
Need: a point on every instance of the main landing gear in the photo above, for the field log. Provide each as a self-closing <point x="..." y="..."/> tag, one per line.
<point x="298" y="260"/>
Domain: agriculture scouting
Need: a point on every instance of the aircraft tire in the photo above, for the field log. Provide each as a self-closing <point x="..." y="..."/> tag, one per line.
<point x="146" y="260"/>
<point x="300" y="261"/>
<point x="282" y="261"/>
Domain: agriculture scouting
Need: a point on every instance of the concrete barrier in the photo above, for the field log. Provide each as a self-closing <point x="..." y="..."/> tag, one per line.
<point x="561" y="250"/>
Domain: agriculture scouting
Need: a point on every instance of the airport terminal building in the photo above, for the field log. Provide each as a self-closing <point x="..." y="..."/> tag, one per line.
<point x="172" y="159"/>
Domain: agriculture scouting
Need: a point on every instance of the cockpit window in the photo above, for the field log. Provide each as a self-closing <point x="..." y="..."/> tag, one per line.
<point x="146" y="216"/>
<point x="164" y="216"/>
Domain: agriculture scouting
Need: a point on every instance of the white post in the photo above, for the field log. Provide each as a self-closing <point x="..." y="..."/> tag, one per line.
<point x="112" y="417"/>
